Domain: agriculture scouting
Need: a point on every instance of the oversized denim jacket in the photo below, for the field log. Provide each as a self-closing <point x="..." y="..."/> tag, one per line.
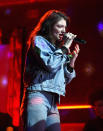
<point x="46" y="68"/>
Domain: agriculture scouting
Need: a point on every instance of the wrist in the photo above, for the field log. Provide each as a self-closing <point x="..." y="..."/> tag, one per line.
<point x="72" y="65"/>
<point x="66" y="46"/>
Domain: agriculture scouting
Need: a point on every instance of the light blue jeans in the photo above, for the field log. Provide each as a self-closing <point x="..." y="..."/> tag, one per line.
<point x="41" y="112"/>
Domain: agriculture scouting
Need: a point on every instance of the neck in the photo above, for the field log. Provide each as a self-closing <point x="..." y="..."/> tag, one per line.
<point x="52" y="40"/>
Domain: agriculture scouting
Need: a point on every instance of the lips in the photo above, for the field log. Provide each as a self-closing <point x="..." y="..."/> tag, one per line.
<point x="61" y="36"/>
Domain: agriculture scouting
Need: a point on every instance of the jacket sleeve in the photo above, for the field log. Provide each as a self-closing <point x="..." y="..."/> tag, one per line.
<point x="52" y="58"/>
<point x="69" y="71"/>
<point x="69" y="75"/>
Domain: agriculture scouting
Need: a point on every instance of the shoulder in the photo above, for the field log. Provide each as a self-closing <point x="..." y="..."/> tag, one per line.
<point x="40" y="39"/>
<point x="42" y="43"/>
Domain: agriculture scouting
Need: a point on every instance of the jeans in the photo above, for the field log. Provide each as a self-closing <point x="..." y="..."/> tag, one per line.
<point x="41" y="112"/>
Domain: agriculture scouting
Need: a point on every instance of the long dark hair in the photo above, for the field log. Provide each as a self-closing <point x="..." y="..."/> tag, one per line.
<point x="45" y="25"/>
<point x="43" y="28"/>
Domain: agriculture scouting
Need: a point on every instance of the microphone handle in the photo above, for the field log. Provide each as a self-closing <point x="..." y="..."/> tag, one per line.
<point x="78" y="40"/>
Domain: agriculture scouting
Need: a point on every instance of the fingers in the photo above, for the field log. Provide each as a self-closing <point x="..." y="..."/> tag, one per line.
<point x="76" y="50"/>
<point x="70" y="35"/>
<point x="69" y="39"/>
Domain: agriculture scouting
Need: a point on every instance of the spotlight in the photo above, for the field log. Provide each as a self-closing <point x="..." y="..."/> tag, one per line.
<point x="8" y="11"/>
<point x="4" y="81"/>
<point x="89" y="69"/>
<point x="100" y="28"/>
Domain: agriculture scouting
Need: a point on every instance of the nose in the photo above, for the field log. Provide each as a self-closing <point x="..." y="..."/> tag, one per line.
<point x="63" y="30"/>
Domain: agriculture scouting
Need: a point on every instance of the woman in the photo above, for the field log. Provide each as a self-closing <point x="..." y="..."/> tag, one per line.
<point x="48" y="69"/>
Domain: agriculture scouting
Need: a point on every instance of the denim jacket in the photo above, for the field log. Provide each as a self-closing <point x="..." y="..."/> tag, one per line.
<point x="46" y="68"/>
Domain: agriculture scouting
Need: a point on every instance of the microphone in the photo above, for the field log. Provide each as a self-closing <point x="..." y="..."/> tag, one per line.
<point x="76" y="39"/>
<point x="80" y="41"/>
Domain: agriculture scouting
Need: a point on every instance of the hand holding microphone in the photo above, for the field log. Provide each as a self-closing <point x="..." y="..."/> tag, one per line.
<point x="68" y="39"/>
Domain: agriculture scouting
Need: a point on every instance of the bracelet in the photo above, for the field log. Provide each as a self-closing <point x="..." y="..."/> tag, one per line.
<point x="70" y="55"/>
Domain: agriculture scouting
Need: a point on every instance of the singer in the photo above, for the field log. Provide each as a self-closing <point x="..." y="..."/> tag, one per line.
<point x="48" y="68"/>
